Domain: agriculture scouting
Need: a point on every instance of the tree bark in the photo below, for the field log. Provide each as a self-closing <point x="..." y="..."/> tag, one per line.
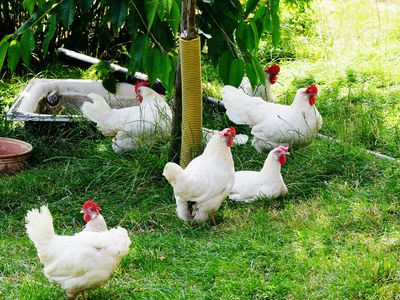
<point x="191" y="20"/>
<point x="176" y="130"/>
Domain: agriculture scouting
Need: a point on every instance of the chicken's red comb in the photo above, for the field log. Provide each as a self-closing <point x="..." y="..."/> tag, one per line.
<point x="92" y="205"/>
<point x="312" y="89"/>
<point x="231" y="131"/>
<point x="284" y="148"/>
<point x="140" y="83"/>
<point x="273" y="69"/>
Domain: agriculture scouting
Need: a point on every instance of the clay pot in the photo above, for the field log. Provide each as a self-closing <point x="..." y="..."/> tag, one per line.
<point x="13" y="155"/>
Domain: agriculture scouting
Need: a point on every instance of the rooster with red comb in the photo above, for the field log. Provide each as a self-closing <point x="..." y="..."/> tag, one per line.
<point x="274" y="124"/>
<point x="263" y="90"/>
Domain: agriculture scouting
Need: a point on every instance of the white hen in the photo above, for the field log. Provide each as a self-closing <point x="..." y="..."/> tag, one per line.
<point x="267" y="182"/>
<point x="80" y="262"/>
<point x="133" y="126"/>
<point x="201" y="187"/>
<point x="111" y="120"/>
<point x="154" y="118"/>
<point x="274" y="124"/>
<point x="263" y="90"/>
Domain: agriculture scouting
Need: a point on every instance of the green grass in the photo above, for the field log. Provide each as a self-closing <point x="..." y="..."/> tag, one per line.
<point x="335" y="236"/>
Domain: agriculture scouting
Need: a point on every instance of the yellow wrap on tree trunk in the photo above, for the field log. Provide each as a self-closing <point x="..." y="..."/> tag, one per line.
<point x="192" y="105"/>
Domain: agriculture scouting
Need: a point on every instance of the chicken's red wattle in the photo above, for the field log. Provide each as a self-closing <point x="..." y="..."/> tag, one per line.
<point x="86" y="217"/>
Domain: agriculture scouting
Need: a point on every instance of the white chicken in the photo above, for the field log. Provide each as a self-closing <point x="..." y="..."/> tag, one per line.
<point x="131" y="126"/>
<point x="274" y="124"/>
<point x="267" y="182"/>
<point x="201" y="187"/>
<point x="262" y="90"/>
<point x="79" y="262"/>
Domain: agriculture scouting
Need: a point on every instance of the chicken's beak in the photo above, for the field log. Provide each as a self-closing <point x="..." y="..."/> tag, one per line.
<point x="82" y="211"/>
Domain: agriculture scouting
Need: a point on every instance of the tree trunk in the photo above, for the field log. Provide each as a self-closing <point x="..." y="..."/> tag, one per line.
<point x="176" y="130"/>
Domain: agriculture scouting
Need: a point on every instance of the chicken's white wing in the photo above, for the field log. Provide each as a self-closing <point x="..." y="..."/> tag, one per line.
<point x="243" y="109"/>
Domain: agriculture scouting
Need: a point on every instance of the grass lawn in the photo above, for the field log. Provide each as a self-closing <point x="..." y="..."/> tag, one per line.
<point x="335" y="236"/>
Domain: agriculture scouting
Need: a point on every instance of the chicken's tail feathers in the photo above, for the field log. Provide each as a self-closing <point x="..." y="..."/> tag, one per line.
<point x="39" y="226"/>
<point x="97" y="109"/>
<point x="235" y="102"/>
<point x="171" y="171"/>
<point x="241" y="139"/>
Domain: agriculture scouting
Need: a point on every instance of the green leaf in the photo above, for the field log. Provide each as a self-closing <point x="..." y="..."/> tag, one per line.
<point x="257" y="35"/>
<point x="250" y="6"/>
<point x="51" y="30"/>
<point x="252" y="74"/>
<point x="138" y="52"/>
<point x="169" y="69"/>
<point x="26" y="24"/>
<point x="27" y="45"/>
<point x="224" y="65"/>
<point x="275" y="22"/>
<point x="153" y="64"/>
<point x="163" y="34"/>
<point x="245" y="36"/>
<point x="236" y="72"/>
<point x="172" y="73"/>
<point x="66" y="12"/>
<point x="167" y="5"/>
<point x="119" y="10"/>
<point x="13" y="55"/>
<point x="259" y="14"/>
<point x="267" y="20"/>
<point x="259" y="70"/>
<point x="3" y="52"/>
<point x="161" y="12"/>
<point x="110" y="83"/>
<point x="175" y="17"/>
<point x="132" y="23"/>
<point x="230" y="69"/>
<point x="163" y="69"/>
<point x="29" y="5"/>
<point x="151" y="10"/>
<point x="259" y="19"/>
<point x="255" y="72"/>
<point x="147" y="48"/>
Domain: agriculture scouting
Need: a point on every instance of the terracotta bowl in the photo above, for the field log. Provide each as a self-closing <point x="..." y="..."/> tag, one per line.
<point x="13" y="155"/>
